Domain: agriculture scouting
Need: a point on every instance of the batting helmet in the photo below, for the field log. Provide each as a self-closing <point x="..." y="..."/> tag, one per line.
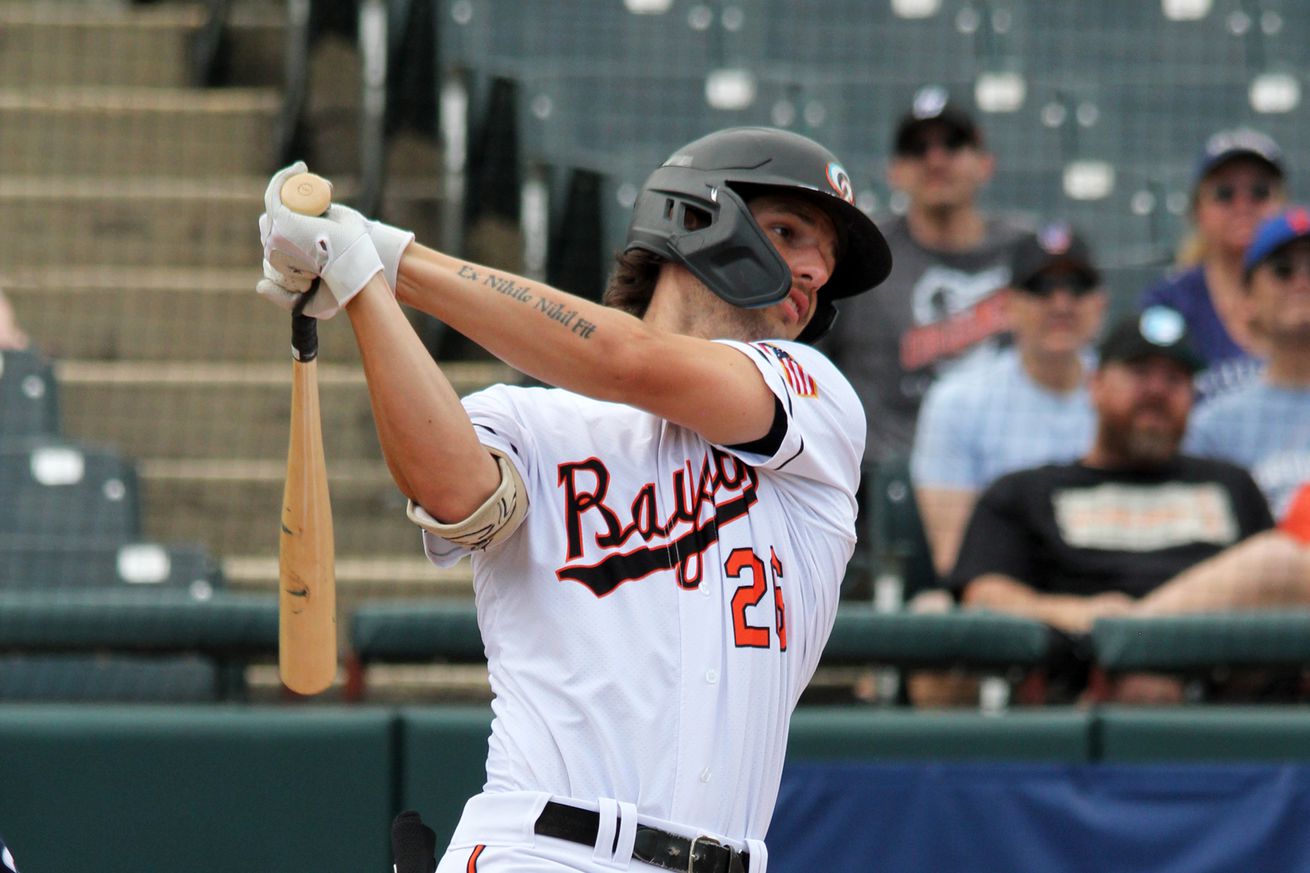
<point x="725" y="248"/>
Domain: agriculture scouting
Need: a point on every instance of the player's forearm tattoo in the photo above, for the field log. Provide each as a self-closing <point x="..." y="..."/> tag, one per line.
<point x="553" y="309"/>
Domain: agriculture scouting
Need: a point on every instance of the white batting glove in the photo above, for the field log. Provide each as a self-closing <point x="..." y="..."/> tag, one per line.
<point x="286" y="291"/>
<point x="336" y="246"/>
<point x="390" y="242"/>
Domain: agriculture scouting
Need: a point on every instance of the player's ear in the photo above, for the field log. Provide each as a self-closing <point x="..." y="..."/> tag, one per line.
<point x="986" y="167"/>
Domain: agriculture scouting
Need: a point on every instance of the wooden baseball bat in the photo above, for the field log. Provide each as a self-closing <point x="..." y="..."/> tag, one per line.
<point x="307" y="598"/>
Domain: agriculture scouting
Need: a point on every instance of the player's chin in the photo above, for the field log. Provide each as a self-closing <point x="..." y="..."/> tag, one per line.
<point x="790" y="320"/>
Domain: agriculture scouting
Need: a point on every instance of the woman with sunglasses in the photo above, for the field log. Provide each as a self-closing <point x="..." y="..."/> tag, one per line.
<point x="1239" y="182"/>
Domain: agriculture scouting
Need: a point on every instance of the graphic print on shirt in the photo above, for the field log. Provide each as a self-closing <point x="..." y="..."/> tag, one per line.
<point x="954" y="311"/>
<point x="1145" y="518"/>
<point x="716" y="493"/>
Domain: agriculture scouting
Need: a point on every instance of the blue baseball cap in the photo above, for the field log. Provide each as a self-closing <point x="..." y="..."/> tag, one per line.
<point x="1239" y="142"/>
<point x="1291" y="224"/>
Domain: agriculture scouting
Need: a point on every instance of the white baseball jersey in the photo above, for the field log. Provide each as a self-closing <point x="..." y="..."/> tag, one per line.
<point x="651" y="625"/>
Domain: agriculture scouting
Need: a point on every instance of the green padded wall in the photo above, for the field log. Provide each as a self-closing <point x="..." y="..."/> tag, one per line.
<point x="835" y="733"/>
<point x="443" y="755"/>
<point x="201" y="789"/>
<point x="1209" y="733"/>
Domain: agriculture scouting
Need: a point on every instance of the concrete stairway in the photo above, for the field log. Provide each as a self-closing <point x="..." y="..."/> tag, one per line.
<point x="128" y="202"/>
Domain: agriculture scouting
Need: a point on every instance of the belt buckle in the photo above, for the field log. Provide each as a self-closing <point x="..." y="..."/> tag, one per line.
<point x="691" y="853"/>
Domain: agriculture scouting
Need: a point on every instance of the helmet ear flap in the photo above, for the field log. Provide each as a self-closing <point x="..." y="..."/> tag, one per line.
<point x="732" y="255"/>
<point x="825" y="315"/>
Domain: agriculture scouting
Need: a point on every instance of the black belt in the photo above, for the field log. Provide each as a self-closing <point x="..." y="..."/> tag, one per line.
<point x="652" y="845"/>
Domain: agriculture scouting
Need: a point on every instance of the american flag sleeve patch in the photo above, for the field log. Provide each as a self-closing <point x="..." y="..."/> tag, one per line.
<point x="800" y="382"/>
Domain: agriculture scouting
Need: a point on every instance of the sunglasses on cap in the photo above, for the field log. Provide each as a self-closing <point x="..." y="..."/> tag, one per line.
<point x="1285" y="265"/>
<point x="1258" y="192"/>
<point x="1046" y="285"/>
<point x="951" y="143"/>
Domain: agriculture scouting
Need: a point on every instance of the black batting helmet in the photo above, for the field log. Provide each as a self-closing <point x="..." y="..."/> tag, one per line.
<point x="715" y="176"/>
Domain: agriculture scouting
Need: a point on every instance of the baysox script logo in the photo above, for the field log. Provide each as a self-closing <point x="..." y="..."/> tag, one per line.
<point x="711" y="493"/>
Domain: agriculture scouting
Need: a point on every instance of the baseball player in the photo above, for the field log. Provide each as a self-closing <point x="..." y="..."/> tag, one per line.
<point x="658" y="541"/>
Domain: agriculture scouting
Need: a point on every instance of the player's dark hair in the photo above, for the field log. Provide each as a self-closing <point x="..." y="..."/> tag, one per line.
<point x="632" y="282"/>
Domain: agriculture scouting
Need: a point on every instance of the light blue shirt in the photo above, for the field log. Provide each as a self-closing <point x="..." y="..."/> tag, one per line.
<point x="990" y="419"/>
<point x="1265" y="429"/>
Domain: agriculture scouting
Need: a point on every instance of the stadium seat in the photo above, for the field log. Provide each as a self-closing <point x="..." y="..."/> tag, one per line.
<point x="51" y="564"/>
<point x="63" y="488"/>
<point x="1203" y="642"/>
<point x="899" y="547"/>
<point x="28" y="394"/>
<point x="130" y="646"/>
<point x="973" y="640"/>
<point x="104" y="678"/>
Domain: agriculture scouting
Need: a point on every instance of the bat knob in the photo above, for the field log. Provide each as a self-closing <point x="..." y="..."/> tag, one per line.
<point x="307" y="194"/>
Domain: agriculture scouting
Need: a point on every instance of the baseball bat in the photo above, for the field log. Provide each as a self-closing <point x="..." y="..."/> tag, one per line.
<point x="307" y="600"/>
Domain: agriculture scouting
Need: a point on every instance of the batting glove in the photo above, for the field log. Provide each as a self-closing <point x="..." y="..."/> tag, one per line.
<point x="389" y="241"/>
<point x="286" y="291"/>
<point x="335" y="247"/>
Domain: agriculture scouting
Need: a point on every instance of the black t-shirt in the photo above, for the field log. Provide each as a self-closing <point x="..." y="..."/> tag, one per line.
<point x="1072" y="529"/>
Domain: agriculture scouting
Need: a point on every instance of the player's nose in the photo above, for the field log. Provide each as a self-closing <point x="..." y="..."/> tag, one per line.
<point x="810" y="268"/>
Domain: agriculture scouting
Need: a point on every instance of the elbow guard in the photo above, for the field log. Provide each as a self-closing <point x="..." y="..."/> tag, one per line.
<point x="492" y="522"/>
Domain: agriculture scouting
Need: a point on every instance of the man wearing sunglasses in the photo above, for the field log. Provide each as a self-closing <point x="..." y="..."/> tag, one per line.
<point x="1265" y="424"/>
<point x="941" y="305"/>
<point x="1133" y="527"/>
<point x="1025" y="407"/>
<point x="1239" y="182"/>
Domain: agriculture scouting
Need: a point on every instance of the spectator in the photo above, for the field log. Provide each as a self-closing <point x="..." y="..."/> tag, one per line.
<point x="1134" y="527"/>
<point x="1239" y="182"/>
<point x="1265" y="424"/>
<point x="941" y="304"/>
<point x="11" y="335"/>
<point x="1028" y="406"/>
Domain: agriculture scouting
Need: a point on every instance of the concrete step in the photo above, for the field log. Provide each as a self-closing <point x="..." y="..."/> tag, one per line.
<point x="117" y="222"/>
<point x="163" y="314"/>
<point x="232" y="507"/>
<point x="161" y="132"/>
<point x="61" y="42"/>
<point x="159" y="314"/>
<point x="198" y="410"/>
<point x="109" y="44"/>
<point x="362" y="577"/>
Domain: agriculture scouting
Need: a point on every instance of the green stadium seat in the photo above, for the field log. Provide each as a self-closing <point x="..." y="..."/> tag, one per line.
<point x="131" y="645"/>
<point x="899" y="547"/>
<point x="29" y="403"/>
<point x="50" y="564"/>
<point x="105" y="678"/>
<point x="1203" y="642"/>
<point x="416" y="631"/>
<point x="60" y="487"/>
<point x="971" y="639"/>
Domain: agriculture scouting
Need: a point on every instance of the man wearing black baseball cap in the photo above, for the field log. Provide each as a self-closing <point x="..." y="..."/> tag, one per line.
<point x="1028" y="405"/>
<point x="1134" y="527"/>
<point x="941" y="304"/>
